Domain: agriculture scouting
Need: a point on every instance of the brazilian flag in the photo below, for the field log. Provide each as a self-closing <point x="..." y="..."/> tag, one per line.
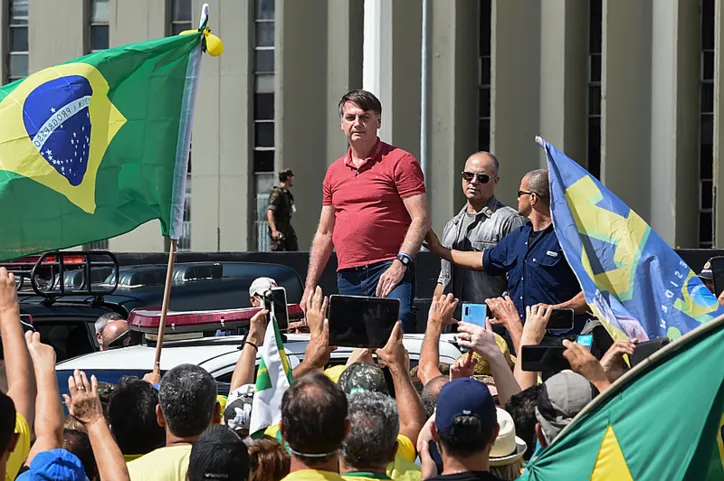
<point x="664" y="420"/>
<point x="95" y="147"/>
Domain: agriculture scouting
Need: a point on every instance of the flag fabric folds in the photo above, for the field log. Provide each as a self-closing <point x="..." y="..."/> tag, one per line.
<point x="273" y="378"/>
<point x="662" y="420"/>
<point x="633" y="281"/>
<point x="93" y="148"/>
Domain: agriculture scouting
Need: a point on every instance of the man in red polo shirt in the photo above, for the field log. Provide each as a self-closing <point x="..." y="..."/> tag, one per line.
<point x="374" y="212"/>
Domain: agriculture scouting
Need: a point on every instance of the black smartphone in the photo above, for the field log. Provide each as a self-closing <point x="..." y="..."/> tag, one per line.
<point x="544" y="358"/>
<point x="356" y="321"/>
<point x="435" y="455"/>
<point x="717" y="270"/>
<point x="275" y="301"/>
<point x="561" y="320"/>
<point x="646" y="349"/>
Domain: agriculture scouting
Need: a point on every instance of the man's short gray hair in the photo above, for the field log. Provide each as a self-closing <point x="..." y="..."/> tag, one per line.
<point x="375" y="424"/>
<point x="538" y="183"/>
<point x="103" y="321"/>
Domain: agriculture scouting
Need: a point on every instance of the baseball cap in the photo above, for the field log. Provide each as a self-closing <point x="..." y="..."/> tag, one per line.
<point x="507" y="448"/>
<point x="363" y="376"/>
<point x="561" y="398"/>
<point x="219" y="453"/>
<point x="706" y="272"/>
<point x="237" y="413"/>
<point x="54" y="465"/>
<point x="261" y="285"/>
<point x="464" y="397"/>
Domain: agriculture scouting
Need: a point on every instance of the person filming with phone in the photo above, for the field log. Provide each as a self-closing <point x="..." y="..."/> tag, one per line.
<point x="531" y="256"/>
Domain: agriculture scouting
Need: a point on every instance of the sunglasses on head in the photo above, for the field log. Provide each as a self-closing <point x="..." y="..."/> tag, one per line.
<point x="482" y="178"/>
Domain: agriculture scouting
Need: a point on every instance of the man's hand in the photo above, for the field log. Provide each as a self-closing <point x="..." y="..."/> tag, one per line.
<point x="478" y="339"/>
<point x="612" y="362"/>
<point x="390" y="278"/>
<point x="583" y="362"/>
<point x="361" y="355"/>
<point x="8" y="292"/>
<point x="257" y="327"/>
<point x="318" y="350"/>
<point x="721" y="298"/>
<point x="463" y="367"/>
<point x="504" y="312"/>
<point x="306" y="296"/>
<point x="84" y="404"/>
<point x="316" y="311"/>
<point x="43" y="355"/>
<point x="153" y="378"/>
<point x="276" y="235"/>
<point x="394" y="355"/>
<point x="536" y="322"/>
<point x="432" y="242"/>
<point x="442" y="308"/>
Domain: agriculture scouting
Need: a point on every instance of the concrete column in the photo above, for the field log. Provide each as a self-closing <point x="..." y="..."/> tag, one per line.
<point x="563" y="76"/>
<point x="137" y="21"/>
<point x="393" y="32"/>
<point x="515" y="91"/>
<point x="132" y="21"/>
<point x="626" y="102"/>
<point x="344" y="67"/>
<point x="221" y="179"/>
<point x="453" y="105"/>
<point x="301" y="113"/>
<point x="718" y="125"/>
<point x="675" y="121"/>
<point x="49" y="25"/>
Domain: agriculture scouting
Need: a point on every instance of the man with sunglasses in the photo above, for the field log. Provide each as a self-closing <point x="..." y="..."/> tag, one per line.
<point x="531" y="256"/>
<point x="481" y="223"/>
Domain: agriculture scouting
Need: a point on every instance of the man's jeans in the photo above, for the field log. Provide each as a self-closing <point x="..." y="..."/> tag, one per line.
<point x="362" y="281"/>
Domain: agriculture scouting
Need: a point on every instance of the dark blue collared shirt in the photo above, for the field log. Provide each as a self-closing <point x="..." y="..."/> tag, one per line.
<point x="537" y="273"/>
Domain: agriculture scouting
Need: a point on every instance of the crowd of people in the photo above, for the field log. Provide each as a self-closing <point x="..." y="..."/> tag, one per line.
<point x="377" y="417"/>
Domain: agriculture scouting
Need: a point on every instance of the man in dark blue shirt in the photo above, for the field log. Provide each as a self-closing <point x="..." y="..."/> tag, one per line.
<point x="530" y="255"/>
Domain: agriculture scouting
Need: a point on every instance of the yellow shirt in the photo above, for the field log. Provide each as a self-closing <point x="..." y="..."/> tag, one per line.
<point x="405" y="448"/>
<point x="22" y="448"/>
<point x="162" y="464"/>
<point x="403" y="470"/>
<point x="312" y="475"/>
<point x="364" y="476"/>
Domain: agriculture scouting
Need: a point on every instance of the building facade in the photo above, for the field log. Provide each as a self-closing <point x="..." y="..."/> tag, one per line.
<point x="628" y="88"/>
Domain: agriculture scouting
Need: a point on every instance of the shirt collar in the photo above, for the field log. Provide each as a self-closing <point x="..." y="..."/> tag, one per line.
<point x="312" y="475"/>
<point x="368" y="160"/>
<point x="488" y="209"/>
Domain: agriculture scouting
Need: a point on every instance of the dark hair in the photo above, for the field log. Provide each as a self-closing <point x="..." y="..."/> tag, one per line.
<point x="430" y="392"/>
<point x="363" y="99"/>
<point x="372" y="439"/>
<point x="538" y="183"/>
<point x="78" y="443"/>
<point x="285" y="174"/>
<point x="469" y="437"/>
<point x="268" y="460"/>
<point x="521" y="407"/>
<point x="132" y="415"/>
<point x="314" y="410"/>
<point x="219" y="453"/>
<point x="7" y="421"/>
<point x="188" y="399"/>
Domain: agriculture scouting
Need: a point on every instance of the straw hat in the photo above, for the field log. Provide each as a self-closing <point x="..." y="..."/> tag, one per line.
<point x="508" y="448"/>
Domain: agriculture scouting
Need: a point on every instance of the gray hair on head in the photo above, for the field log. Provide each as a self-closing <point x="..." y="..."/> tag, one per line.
<point x="103" y="321"/>
<point x="374" y="426"/>
<point x="538" y="183"/>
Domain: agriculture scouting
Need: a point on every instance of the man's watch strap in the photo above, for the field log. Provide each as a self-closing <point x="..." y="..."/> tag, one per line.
<point x="404" y="258"/>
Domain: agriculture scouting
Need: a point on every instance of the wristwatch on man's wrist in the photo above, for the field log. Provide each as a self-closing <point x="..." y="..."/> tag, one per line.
<point x="404" y="259"/>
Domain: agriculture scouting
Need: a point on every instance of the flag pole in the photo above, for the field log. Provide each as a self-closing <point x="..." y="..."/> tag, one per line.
<point x="164" y="307"/>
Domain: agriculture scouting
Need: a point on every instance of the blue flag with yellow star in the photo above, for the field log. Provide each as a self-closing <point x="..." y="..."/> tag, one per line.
<point x="93" y="148"/>
<point x="633" y="281"/>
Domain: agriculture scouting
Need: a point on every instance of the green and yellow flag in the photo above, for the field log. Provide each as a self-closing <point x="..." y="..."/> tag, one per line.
<point x="663" y="421"/>
<point x="95" y="147"/>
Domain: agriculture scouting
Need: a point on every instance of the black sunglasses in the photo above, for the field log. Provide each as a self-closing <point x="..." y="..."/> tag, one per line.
<point x="521" y="193"/>
<point x="482" y="178"/>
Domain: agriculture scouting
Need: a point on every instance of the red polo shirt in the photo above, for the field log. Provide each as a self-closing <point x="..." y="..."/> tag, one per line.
<point x="370" y="219"/>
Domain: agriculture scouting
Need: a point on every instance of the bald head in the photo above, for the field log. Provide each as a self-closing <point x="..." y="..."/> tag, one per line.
<point x="482" y="162"/>
<point x="113" y="331"/>
<point x="430" y="393"/>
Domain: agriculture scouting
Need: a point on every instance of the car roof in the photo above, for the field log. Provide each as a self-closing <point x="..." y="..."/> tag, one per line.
<point x="217" y="354"/>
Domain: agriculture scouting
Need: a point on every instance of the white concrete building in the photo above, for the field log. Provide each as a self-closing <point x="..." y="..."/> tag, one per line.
<point x="629" y="88"/>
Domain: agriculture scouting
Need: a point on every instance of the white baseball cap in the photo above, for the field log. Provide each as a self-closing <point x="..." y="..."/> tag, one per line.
<point x="508" y="448"/>
<point x="260" y="286"/>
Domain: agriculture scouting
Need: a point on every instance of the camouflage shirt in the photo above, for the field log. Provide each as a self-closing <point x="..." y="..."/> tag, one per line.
<point x="281" y="203"/>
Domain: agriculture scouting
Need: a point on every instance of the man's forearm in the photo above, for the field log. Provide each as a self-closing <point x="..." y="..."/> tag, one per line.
<point x="438" y="290"/>
<point x="18" y="365"/>
<point x="428" y="367"/>
<point x="109" y="458"/>
<point x="322" y="247"/>
<point x="525" y="379"/>
<point x="415" y="235"/>
<point x="577" y="303"/>
<point x="409" y="406"/>
<point x="504" y="380"/>
<point x="49" y="418"/>
<point x="270" y="219"/>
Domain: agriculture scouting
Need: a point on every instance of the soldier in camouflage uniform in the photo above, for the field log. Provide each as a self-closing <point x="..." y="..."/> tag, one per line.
<point x="279" y="214"/>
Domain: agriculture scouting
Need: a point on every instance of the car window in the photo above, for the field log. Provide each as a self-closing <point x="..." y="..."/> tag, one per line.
<point x="69" y="338"/>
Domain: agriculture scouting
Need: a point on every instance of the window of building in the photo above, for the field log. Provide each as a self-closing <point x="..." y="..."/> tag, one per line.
<point x="17" y="59"/>
<point x="484" y="57"/>
<point x="99" y="19"/>
<point x="263" y="114"/>
<point x="181" y="16"/>
<point x="706" y="127"/>
<point x="595" y="49"/>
